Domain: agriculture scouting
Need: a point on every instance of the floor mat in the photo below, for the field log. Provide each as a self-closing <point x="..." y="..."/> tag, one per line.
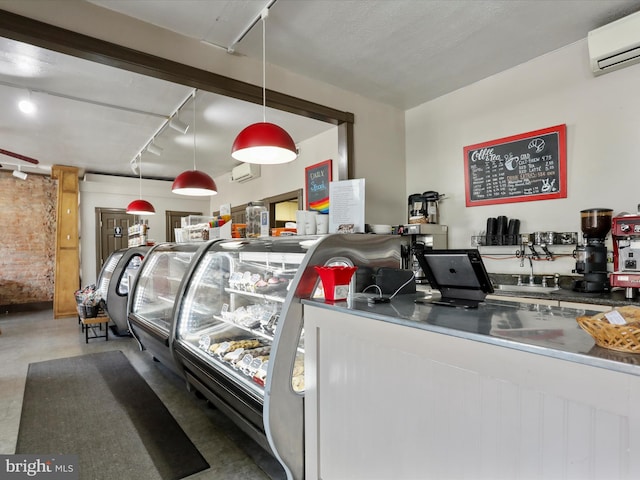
<point x="98" y="407"/>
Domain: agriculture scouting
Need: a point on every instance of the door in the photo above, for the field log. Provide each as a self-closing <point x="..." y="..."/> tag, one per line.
<point x="174" y="220"/>
<point x="112" y="225"/>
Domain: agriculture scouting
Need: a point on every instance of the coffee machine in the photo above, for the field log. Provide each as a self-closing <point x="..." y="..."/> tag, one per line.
<point x="591" y="256"/>
<point x="625" y="232"/>
<point x="424" y="236"/>
<point x="423" y="207"/>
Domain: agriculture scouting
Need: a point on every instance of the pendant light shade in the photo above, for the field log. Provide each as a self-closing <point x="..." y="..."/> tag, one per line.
<point x="140" y="207"/>
<point x="194" y="183"/>
<point x="264" y="143"/>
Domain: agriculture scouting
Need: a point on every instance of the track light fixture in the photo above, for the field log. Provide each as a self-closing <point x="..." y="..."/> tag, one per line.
<point x="179" y="126"/>
<point x="153" y="148"/>
<point x="19" y="174"/>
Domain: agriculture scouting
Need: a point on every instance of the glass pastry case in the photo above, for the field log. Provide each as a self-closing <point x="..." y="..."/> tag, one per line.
<point x="238" y="337"/>
<point x="106" y="272"/>
<point x="151" y="308"/>
<point x="117" y="289"/>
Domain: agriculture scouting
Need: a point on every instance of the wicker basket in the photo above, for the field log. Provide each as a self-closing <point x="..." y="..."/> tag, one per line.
<point x="623" y="338"/>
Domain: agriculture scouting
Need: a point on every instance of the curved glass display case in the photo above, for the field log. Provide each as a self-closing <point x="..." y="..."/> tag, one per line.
<point x="155" y="289"/>
<point x="227" y="318"/>
<point x="106" y="272"/>
<point x="238" y="336"/>
<point x="117" y="297"/>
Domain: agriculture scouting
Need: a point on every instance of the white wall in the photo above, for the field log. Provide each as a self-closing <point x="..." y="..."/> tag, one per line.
<point x="116" y="192"/>
<point x="602" y="115"/>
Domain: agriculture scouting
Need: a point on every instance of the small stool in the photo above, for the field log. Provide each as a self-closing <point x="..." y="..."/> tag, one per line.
<point x="91" y="324"/>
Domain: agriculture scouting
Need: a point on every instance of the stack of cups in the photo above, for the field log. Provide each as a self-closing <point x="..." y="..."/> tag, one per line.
<point x="309" y="222"/>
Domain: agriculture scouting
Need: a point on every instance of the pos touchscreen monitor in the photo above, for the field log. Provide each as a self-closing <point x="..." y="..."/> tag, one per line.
<point x="459" y="275"/>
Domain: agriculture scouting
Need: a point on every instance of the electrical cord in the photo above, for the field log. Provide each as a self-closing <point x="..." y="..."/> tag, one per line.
<point x="394" y="293"/>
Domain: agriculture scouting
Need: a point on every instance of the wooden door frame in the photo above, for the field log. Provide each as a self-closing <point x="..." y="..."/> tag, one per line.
<point x="283" y="197"/>
<point x="168" y="214"/>
<point x="99" y="212"/>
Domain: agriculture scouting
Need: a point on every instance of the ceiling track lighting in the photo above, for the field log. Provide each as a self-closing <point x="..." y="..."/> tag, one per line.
<point x="194" y="182"/>
<point x="140" y="206"/>
<point x="170" y="121"/>
<point x="264" y="143"/>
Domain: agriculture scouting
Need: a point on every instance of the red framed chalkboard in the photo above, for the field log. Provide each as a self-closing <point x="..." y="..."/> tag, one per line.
<point x="317" y="179"/>
<point x="522" y="168"/>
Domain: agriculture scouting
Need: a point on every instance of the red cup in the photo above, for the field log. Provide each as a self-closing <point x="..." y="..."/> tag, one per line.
<point x="335" y="281"/>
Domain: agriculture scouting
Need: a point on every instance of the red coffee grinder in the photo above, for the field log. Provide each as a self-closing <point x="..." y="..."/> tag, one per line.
<point x="625" y="232"/>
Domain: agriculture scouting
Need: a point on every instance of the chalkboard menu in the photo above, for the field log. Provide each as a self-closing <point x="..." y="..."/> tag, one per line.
<point x="317" y="179"/>
<point x="521" y="168"/>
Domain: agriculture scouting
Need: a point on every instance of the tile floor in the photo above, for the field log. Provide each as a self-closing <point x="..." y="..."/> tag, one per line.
<point x="37" y="336"/>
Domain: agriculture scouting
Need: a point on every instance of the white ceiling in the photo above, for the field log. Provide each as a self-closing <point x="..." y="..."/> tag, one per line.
<point x="401" y="52"/>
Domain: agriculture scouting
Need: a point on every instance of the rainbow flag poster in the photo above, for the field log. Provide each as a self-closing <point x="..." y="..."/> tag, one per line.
<point x="321" y="205"/>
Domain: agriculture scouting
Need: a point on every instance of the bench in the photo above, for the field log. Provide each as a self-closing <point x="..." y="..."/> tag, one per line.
<point x="90" y="323"/>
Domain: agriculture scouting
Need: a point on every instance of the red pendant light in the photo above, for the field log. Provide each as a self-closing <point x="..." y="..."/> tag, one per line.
<point x="194" y="182"/>
<point x="140" y="206"/>
<point x="264" y="143"/>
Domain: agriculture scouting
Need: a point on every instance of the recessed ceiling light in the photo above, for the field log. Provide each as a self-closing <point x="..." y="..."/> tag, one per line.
<point x="27" y="106"/>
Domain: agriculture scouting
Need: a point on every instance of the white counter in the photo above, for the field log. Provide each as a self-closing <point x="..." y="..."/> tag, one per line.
<point x="435" y="392"/>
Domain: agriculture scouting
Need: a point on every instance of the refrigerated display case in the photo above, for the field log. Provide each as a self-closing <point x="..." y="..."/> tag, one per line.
<point x="151" y="311"/>
<point x="239" y="339"/>
<point x="117" y="287"/>
<point x="106" y="272"/>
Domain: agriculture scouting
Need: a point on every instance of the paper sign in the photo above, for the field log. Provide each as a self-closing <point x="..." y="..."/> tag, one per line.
<point x="615" y="318"/>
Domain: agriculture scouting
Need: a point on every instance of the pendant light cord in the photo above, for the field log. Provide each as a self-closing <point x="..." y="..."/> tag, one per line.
<point x="140" y="175"/>
<point x="194" y="129"/>
<point x="264" y="15"/>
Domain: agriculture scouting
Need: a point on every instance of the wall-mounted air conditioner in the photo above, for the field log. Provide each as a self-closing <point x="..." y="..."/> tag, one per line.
<point x="615" y="45"/>
<point x="245" y="172"/>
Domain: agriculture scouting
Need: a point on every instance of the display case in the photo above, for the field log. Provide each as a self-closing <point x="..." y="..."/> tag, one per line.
<point x="116" y="287"/>
<point x="239" y="338"/>
<point x="151" y="311"/>
<point x="106" y="273"/>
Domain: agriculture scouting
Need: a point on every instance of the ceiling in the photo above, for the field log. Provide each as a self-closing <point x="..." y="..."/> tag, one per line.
<point x="400" y="52"/>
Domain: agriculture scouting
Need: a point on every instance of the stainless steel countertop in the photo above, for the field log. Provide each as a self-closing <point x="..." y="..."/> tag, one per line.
<point x="614" y="298"/>
<point x="533" y="328"/>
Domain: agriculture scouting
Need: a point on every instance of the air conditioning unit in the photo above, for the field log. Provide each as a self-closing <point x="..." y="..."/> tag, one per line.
<point x="245" y="172"/>
<point x="615" y="45"/>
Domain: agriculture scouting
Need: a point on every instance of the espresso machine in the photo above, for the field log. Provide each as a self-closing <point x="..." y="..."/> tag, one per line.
<point x="625" y="232"/>
<point x="591" y="256"/>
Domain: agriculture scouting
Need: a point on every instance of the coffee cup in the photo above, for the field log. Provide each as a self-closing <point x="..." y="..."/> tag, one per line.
<point x="322" y="224"/>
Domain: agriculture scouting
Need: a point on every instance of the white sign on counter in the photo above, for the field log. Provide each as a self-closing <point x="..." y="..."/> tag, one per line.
<point x="346" y="211"/>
